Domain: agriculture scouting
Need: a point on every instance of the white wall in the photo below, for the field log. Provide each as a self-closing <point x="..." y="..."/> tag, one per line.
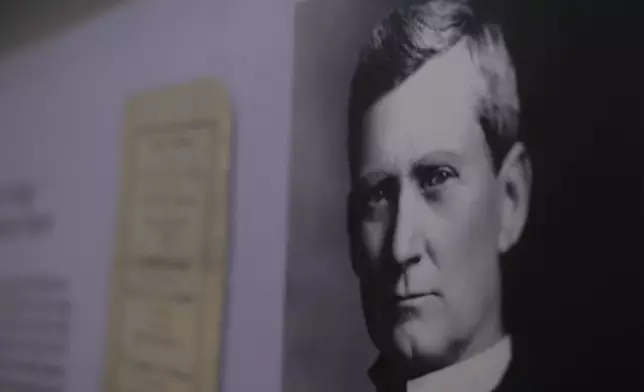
<point x="60" y="116"/>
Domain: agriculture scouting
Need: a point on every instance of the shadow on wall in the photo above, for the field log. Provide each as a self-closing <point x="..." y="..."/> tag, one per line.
<point x="24" y="22"/>
<point x="326" y="347"/>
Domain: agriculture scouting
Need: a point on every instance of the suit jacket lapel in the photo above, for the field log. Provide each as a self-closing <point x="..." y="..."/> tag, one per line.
<point x="522" y="375"/>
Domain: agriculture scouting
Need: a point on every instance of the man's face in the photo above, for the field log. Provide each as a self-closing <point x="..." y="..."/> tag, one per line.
<point x="429" y="218"/>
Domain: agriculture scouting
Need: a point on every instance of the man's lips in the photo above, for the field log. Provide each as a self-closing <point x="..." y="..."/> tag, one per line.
<point x="414" y="296"/>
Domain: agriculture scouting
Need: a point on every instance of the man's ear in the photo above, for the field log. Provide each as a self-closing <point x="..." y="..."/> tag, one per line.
<point x="515" y="178"/>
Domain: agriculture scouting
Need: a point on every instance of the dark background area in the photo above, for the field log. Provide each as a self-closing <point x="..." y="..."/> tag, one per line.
<point x="574" y="290"/>
<point x="575" y="296"/>
<point x="24" y="22"/>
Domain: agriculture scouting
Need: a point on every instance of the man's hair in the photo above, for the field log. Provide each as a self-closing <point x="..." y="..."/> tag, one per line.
<point x="417" y="32"/>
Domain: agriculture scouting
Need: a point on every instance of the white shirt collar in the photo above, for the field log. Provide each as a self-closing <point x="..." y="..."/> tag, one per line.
<point x="480" y="373"/>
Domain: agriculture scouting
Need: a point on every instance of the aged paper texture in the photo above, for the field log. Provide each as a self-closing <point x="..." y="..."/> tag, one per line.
<point x="169" y="273"/>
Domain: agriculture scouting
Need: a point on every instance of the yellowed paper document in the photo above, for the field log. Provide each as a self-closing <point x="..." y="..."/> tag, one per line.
<point x="170" y="268"/>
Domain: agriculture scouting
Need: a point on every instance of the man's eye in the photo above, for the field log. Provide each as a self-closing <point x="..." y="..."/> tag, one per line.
<point x="431" y="178"/>
<point x="377" y="196"/>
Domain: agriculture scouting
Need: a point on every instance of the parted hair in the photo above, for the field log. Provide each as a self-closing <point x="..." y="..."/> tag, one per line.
<point x="415" y="33"/>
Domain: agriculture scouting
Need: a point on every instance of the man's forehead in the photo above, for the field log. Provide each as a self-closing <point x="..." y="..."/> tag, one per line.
<point x="449" y="80"/>
<point x="432" y="110"/>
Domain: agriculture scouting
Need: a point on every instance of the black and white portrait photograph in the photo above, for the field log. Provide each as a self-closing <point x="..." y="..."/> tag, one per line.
<point x="466" y="197"/>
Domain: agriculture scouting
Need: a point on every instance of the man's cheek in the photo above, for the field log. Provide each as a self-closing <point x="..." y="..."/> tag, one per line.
<point x="373" y="236"/>
<point x="471" y="223"/>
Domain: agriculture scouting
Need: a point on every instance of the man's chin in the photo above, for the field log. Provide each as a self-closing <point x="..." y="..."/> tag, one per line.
<point x="427" y="347"/>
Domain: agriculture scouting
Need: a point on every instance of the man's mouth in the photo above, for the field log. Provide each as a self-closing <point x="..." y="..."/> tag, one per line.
<point x="413" y="297"/>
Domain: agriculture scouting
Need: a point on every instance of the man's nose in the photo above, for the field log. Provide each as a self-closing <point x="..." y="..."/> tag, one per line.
<point x="407" y="239"/>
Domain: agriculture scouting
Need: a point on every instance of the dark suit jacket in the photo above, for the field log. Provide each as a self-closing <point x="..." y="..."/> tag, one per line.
<point x="523" y="375"/>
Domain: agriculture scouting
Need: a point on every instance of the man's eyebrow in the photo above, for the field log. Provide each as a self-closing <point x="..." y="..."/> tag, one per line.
<point x="373" y="177"/>
<point x="439" y="157"/>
